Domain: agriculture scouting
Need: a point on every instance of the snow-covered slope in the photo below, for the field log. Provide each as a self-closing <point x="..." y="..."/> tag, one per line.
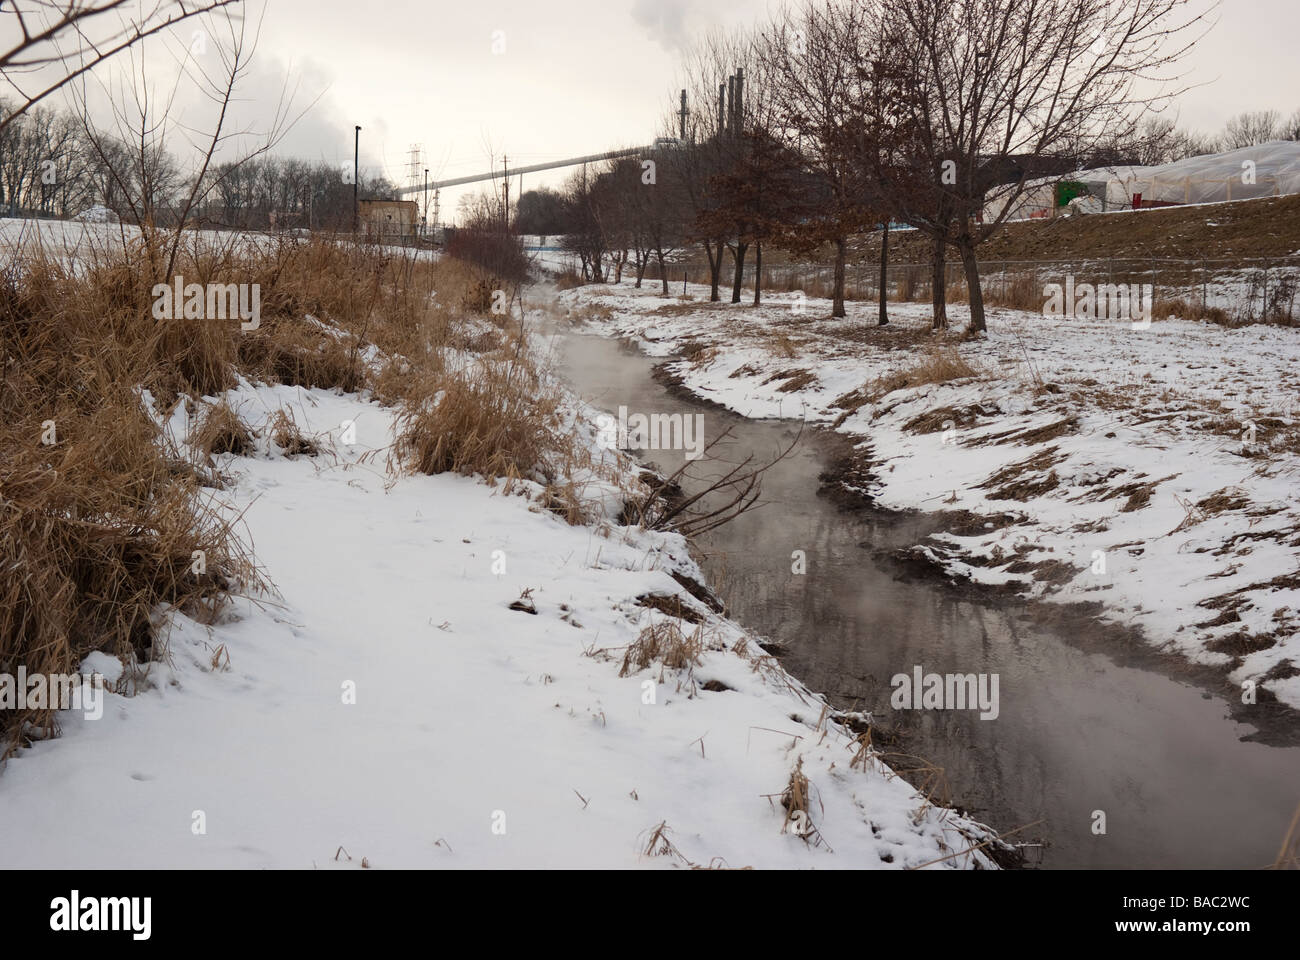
<point x="389" y="709"/>
<point x="1153" y="471"/>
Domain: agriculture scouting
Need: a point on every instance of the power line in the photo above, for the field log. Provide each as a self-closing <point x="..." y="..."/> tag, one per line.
<point x="538" y="167"/>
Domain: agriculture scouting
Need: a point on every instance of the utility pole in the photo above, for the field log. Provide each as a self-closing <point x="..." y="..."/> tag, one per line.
<point x="356" y="169"/>
<point x="426" y="200"/>
<point x="505" y="183"/>
<point x="683" y="116"/>
<point x="722" y="104"/>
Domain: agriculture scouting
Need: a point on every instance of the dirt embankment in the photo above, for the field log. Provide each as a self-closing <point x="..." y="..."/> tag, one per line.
<point x="1249" y="229"/>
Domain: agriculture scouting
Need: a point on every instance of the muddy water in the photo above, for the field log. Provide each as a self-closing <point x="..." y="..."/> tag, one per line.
<point x="1078" y="730"/>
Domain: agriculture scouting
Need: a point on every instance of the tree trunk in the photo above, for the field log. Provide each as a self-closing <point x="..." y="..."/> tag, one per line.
<point x="739" y="256"/>
<point x="971" y="264"/>
<point x="642" y="261"/>
<point x="758" y="273"/>
<point x="884" y="276"/>
<point x="715" y="268"/>
<point x="663" y="272"/>
<point x="841" y="250"/>
<point x="938" y="291"/>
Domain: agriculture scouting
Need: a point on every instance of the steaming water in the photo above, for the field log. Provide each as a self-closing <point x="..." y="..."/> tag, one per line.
<point x="1078" y="730"/>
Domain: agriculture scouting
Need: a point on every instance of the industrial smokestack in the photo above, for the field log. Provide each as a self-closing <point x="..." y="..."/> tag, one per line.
<point x="738" y="113"/>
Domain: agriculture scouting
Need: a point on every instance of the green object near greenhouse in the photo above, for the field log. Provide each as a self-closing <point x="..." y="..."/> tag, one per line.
<point x="1067" y="190"/>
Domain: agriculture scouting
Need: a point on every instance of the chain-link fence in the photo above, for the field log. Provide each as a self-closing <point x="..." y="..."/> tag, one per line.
<point x="1242" y="290"/>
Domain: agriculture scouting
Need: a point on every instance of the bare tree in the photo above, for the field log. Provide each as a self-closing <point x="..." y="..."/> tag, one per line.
<point x="996" y="86"/>
<point x="154" y="190"/>
<point x="811" y="54"/>
<point x="583" y="236"/>
<point x="1290" y="128"/>
<point x="709" y="73"/>
<point x="60" y="40"/>
<point x="661" y="206"/>
<point x="1251" y="129"/>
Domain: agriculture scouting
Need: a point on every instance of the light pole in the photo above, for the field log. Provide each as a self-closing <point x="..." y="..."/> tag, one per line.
<point x="356" y="169"/>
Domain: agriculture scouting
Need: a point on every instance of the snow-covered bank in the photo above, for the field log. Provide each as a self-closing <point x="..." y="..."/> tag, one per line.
<point x="1152" y="472"/>
<point x="390" y="709"/>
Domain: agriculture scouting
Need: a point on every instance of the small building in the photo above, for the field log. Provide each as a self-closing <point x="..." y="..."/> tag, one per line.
<point x="388" y="219"/>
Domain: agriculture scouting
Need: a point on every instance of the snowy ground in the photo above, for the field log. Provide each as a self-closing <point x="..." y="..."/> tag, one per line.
<point x="1152" y="471"/>
<point x="77" y="238"/>
<point x="388" y="708"/>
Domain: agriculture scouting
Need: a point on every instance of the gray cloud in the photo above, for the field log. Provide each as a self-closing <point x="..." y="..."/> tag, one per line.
<point x="664" y="21"/>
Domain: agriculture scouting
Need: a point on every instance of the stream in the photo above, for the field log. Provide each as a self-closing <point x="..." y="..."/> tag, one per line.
<point x="1079" y="729"/>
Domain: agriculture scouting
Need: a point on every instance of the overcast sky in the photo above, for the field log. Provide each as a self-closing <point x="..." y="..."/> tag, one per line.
<point x="583" y="76"/>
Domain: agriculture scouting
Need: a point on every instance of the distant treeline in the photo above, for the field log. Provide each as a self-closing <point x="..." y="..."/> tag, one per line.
<point x="58" y="164"/>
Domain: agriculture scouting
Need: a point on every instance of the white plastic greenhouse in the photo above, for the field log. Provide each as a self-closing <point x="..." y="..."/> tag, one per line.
<point x="1267" y="170"/>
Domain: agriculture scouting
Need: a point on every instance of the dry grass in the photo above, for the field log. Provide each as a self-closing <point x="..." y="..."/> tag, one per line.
<point x="564" y="499"/>
<point x="941" y="364"/>
<point x="801" y="380"/>
<point x="1185" y="309"/>
<point x="942" y="418"/>
<point x="589" y="312"/>
<point x="663" y="642"/>
<point x="1025" y="479"/>
<point x="221" y="431"/>
<point x="492" y="419"/>
<point x="293" y="352"/>
<point x="1020" y="292"/>
<point x="483" y="295"/>
<point x="99" y="535"/>
<point x="796" y="800"/>
<point x="795" y="379"/>
<point x="780" y="345"/>
<point x="698" y="354"/>
<point x="104" y="528"/>
<point x="568" y="279"/>
<point x="671" y="606"/>
<point x="286" y="435"/>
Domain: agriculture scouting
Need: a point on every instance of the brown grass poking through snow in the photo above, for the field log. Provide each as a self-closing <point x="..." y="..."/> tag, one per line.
<point x="492" y="418"/>
<point x="98" y="536"/>
<point x="567" y="279"/>
<point x="286" y="434"/>
<point x="795" y="800"/>
<point x="781" y="345"/>
<point x="664" y="642"/>
<point x="940" y="365"/>
<point x="104" y="528"/>
<point x="221" y="431"/>
<point x="289" y="351"/>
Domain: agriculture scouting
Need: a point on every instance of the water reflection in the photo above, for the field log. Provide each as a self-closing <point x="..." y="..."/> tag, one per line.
<point x="1078" y="730"/>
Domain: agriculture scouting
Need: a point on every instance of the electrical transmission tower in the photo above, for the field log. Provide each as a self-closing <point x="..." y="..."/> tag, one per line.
<point x="414" y="166"/>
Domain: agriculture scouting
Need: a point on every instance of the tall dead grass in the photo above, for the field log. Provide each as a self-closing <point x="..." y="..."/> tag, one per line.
<point x="941" y="364"/>
<point x="103" y="527"/>
<point x="100" y="533"/>
<point x="491" y="418"/>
